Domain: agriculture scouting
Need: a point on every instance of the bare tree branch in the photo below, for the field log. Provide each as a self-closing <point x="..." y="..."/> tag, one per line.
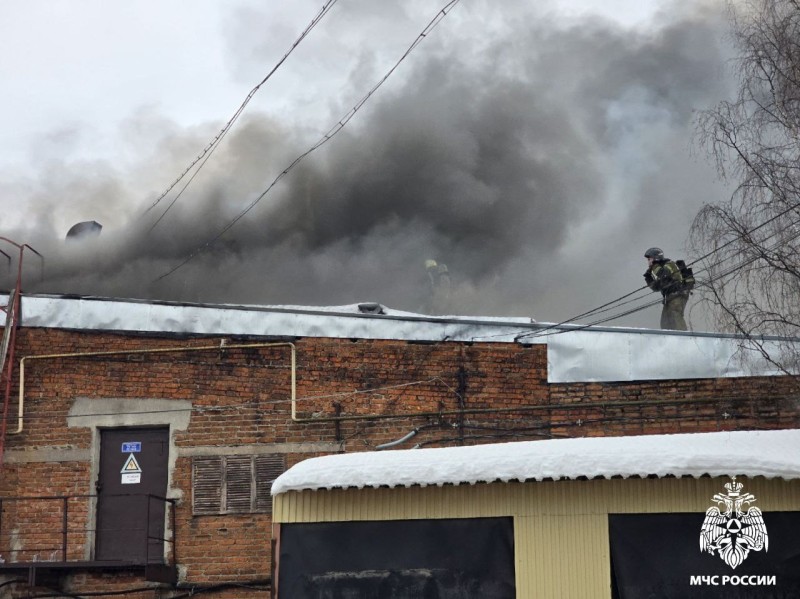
<point x="752" y="240"/>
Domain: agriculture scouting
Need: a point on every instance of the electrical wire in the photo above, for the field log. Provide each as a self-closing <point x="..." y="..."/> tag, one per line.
<point x="12" y="581"/>
<point x="748" y="233"/>
<point x="373" y="390"/>
<point x="527" y="432"/>
<point x="253" y="585"/>
<point x="614" y="304"/>
<point x="257" y="407"/>
<point x="543" y="332"/>
<point x="258" y="586"/>
<point x="260" y="409"/>
<point x="209" y="149"/>
<point x="322" y="141"/>
<point x="55" y="593"/>
<point x="761" y="252"/>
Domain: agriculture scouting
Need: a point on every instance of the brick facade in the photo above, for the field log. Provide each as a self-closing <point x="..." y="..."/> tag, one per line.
<point x="352" y="395"/>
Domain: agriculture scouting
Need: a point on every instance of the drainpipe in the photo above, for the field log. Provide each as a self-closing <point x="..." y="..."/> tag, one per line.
<point x="160" y="350"/>
<point x="399" y="441"/>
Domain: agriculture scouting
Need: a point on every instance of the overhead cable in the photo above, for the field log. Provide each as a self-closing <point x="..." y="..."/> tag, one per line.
<point x="721" y="275"/>
<point x="209" y="149"/>
<point x="322" y="141"/>
<point x="261" y="403"/>
<point x="729" y="271"/>
<point x="614" y="304"/>
<point x="748" y="233"/>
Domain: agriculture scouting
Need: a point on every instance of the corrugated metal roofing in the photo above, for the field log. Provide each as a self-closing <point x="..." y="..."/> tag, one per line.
<point x="746" y="453"/>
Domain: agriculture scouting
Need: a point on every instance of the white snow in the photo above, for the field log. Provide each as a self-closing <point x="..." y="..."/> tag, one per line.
<point x="745" y="453"/>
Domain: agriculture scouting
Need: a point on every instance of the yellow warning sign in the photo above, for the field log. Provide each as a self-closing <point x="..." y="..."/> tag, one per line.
<point x="131" y="465"/>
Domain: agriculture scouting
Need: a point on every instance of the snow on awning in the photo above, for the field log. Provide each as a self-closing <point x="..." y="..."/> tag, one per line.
<point x="737" y="453"/>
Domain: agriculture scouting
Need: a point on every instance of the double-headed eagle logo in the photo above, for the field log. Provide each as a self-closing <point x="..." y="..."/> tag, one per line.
<point x="733" y="533"/>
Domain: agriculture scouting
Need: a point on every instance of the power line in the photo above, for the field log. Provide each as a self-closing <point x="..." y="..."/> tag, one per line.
<point x="209" y="149"/>
<point x="614" y="304"/>
<point x="540" y="332"/>
<point x="260" y="408"/>
<point x="707" y="283"/>
<point x="730" y="270"/>
<point x="376" y="389"/>
<point x="761" y="254"/>
<point x="618" y="303"/>
<point x="748" y="233"/>
<point x="256" y="406"/>
<point x="332" y="132"/>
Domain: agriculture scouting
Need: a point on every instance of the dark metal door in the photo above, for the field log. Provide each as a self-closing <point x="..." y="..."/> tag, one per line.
<point x="131" y="487"/>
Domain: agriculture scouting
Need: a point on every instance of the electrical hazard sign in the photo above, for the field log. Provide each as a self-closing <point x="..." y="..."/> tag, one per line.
<point x="131" y="471"/>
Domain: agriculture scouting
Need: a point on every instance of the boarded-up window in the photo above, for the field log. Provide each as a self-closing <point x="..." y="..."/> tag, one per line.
<point x="454" y="558"/>
<point x="235" y="484"/>
<point x="658" y="555"/>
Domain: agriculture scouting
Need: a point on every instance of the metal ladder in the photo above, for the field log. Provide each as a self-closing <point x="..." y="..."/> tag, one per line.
<point x="12" y="310"/>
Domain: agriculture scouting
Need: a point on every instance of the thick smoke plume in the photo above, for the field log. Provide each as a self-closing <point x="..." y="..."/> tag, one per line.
<point x="538" y="166"/>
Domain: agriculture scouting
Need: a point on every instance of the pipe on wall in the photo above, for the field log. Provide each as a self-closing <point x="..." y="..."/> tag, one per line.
<point x="159" y="350"/>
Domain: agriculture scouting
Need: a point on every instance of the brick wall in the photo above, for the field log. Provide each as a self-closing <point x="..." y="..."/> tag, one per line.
<point x="356" y="394"/>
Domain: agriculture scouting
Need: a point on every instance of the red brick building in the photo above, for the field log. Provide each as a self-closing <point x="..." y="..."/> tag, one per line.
<point x="141" y="438"/>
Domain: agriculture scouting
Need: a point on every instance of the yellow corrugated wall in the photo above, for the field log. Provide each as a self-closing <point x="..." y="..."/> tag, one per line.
<point x="560" y="527"/>
<point x="562" y="556"/>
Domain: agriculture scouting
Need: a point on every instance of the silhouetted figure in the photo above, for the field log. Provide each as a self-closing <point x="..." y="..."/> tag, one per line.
<point x="439" y="288"/>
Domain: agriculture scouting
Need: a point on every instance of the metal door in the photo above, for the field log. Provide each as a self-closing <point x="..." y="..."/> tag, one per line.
<point x="131" y="487"/>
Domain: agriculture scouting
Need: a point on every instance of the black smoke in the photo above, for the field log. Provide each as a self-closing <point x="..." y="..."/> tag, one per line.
<point x="537" y="165"/>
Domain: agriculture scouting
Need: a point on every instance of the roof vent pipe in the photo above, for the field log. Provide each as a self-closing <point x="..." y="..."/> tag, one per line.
<point x="84" y="230"/>
<point x="371" y="308"/>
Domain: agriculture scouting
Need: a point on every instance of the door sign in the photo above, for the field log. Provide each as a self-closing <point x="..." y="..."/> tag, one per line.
<point x="132" y="447"/>
<point x="131" y="472"/>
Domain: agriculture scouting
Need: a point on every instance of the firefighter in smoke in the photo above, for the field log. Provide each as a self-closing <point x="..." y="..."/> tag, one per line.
<point x="665" y="276"/>
<point x="438" y="283"/>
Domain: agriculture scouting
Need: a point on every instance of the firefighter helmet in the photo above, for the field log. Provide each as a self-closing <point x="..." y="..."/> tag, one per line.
<point x="654" y="253"/>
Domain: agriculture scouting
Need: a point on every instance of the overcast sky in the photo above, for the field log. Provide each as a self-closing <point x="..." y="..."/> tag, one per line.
<point x="535" y="148"/>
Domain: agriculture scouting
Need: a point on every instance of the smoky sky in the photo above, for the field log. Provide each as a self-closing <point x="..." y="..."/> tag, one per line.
<point x="538" y="169"/>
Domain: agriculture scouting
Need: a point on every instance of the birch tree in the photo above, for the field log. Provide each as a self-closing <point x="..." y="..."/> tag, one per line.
<point x="750" y="276"/>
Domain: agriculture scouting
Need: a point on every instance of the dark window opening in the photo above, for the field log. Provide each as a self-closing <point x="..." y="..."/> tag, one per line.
<point x="402" y="559"/>
<point x="658" y="556"/>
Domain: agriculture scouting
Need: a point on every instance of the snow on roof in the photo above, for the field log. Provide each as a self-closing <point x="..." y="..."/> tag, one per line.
<point x="746" y="453"/>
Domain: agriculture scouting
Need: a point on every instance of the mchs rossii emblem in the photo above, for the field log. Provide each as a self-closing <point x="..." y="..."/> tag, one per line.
<point x="733" y="533"/>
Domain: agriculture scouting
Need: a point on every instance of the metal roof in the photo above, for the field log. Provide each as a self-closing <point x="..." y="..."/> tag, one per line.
<point x="747" y="453"/>
<point x="575" y="353"/>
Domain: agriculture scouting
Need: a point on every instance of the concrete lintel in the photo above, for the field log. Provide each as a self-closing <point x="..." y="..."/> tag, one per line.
<point x="261" y="448"/>
<point x="87" y="413"/>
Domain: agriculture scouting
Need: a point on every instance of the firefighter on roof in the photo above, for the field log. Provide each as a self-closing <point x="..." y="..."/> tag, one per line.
<point x="665" y="276"/>
<point x="438" y="300"/>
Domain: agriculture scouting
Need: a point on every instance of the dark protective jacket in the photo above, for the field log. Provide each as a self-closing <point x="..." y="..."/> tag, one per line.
<point x="665" y="276"/>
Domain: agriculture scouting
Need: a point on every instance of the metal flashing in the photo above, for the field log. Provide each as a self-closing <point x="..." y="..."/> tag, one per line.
<point x="575" y="353"/>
